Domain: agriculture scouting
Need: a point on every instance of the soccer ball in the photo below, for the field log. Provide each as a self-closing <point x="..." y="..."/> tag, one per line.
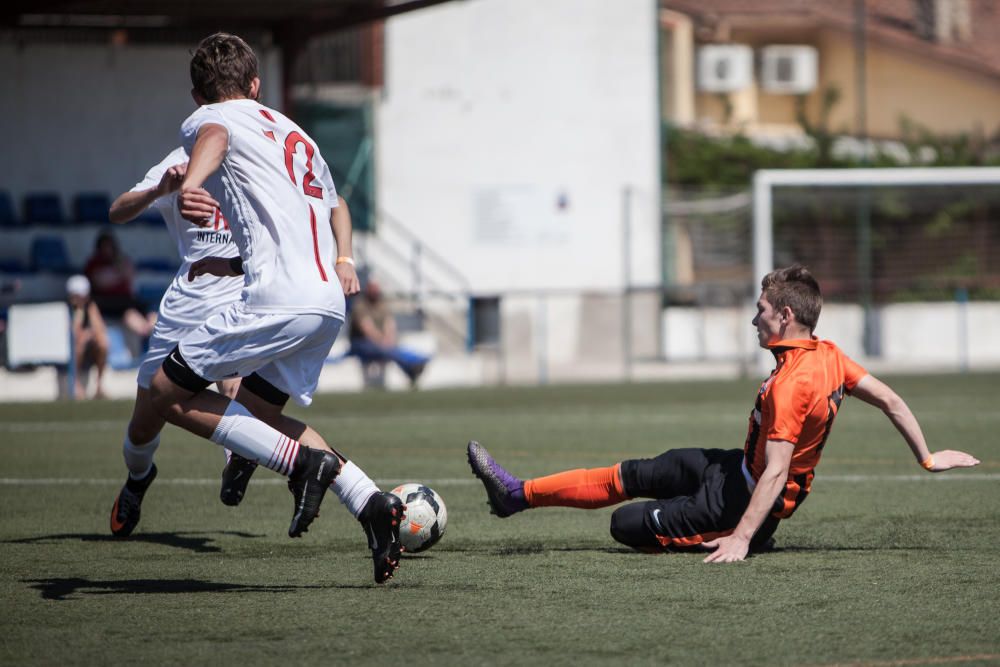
<point x="426" y="516"/>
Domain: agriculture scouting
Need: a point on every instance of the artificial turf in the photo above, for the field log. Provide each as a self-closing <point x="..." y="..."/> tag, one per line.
<point x="883" y="565"/>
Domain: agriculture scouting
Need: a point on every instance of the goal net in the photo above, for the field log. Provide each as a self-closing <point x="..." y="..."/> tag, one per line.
<point x="909" y="259"/>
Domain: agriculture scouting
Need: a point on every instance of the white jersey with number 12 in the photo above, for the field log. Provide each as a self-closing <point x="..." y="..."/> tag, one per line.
<point x="276" y="191"/>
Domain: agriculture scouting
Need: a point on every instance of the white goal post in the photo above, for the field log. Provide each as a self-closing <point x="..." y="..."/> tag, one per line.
<point x="766" y="180"/>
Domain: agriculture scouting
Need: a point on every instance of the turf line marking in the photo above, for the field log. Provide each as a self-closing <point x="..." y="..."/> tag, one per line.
<point x="919" y="477"/>
<point x="560" y="414"/>
<point x="209" y="481"/>
<point x="62" y="426"/>
<point x="458" y="481"/>
<point x="424" y="417"/>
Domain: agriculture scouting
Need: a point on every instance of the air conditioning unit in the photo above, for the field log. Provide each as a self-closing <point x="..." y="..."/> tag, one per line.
<point x="724" y="68"/>
<point x="788" y="70"/>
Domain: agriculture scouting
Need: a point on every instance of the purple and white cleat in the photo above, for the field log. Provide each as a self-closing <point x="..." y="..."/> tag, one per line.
<point x="504" y="491"/>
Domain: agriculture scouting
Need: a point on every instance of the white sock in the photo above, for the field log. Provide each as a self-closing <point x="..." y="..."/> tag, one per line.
<point x="354" y="488"/>
<point x="244" y="434"/>
<point x="139" y="458"/>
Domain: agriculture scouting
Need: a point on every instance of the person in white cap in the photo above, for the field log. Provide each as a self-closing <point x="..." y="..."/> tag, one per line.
<point x="90" y="335"/>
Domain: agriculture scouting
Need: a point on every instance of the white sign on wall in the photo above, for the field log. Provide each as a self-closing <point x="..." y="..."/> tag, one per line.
<point x="520" y="215"/>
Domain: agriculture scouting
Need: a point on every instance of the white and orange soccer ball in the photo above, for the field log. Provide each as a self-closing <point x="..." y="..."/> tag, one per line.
<point x="426" y="517"/>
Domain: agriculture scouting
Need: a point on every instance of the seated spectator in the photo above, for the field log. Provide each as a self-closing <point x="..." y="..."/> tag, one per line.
<point x="90" y="336"/>
<point x="373" y="335"/>
<point x="111" y="273"/>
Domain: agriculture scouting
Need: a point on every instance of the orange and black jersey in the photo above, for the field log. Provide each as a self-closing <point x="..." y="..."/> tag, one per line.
<point x="797" y="403"/>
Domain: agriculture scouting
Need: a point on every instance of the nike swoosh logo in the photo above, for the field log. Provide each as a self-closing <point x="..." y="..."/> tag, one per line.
<point x="656" y="518"/>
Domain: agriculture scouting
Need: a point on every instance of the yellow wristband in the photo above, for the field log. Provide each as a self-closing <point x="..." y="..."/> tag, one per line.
<point x="928" y="463"/>
<point x="345" y="260"/>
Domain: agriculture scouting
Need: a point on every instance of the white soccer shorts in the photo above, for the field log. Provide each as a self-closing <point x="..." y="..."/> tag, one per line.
<point x="286" y="349"/>
<point x="163" y="339"/>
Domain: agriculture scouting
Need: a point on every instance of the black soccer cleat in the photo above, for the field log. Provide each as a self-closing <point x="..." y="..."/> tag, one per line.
<point x="380" y="518"/>
<point x="313" y="475"/>
<point x="296" y="491"/>
<point x="126" y="510"/>
<point x="235" y="477"/>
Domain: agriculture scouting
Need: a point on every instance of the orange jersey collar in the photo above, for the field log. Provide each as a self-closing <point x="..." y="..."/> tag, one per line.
<point x="802" y="343"/>
<point x="780" y="347"/>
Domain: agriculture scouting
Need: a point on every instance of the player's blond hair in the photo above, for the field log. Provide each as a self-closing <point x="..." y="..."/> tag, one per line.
<point x="796" y="288"/>
<point x="223" y="67"/>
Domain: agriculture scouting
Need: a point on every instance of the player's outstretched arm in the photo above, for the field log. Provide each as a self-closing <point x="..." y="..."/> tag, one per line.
<point x="734" y="547"/>
<point x="130" y="204"/>
<point x="877" y="393"/>
<point x="340" y="222"/>
<point x="194" y="202"/>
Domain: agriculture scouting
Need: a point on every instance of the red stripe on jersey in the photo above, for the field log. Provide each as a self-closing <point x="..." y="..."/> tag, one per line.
<point x="270" y="135"/>
<point x="266" y="114"/>
<point x="319" y="262"/>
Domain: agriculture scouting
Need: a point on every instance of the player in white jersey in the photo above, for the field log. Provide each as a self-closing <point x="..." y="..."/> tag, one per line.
<point x="274" y="188"/>
<point x="185" y="306"/>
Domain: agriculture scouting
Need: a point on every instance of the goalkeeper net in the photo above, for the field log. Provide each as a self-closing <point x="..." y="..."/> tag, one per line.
<point x="909" y="259"/>
<point x="885" y="235"/>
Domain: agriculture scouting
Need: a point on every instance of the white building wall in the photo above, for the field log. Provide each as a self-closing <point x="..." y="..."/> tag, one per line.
<point x="508" y="131"/>
<point x="82" y="117"/>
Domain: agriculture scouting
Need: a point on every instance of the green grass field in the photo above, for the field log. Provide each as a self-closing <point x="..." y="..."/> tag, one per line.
<point x="884" y="564"/>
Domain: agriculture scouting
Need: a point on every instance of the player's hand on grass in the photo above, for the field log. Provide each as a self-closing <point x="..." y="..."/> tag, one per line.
<point x="727" y="549"/>
<point x="348" y="278"/>
<point x="197" y="206"/>
<point x="947" y="459"/>
<point x="214" y="266"/>
<point x="172" y="179"/>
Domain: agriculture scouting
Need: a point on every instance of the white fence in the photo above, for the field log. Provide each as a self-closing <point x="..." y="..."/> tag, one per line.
<point x="912" y="336"/>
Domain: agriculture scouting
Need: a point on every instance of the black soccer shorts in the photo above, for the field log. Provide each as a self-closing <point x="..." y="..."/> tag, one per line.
<point x="698" y="495"/>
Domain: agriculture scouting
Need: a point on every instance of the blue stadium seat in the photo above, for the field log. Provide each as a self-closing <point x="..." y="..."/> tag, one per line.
<point x="48" y="253"/>
<point x="12" y="265"/>
<point x="8" y="218"/>
<point x="43" y="208"/>
<point x="91" y="207"/>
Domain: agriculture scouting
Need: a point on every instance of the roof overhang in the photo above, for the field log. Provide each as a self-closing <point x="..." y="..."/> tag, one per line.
<point x="149" y="20"/>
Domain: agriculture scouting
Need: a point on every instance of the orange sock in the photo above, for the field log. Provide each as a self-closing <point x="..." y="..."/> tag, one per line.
<point x="587" y="489"/>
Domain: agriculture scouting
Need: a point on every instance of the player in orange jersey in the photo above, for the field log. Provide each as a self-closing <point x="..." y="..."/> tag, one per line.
<point x="731" y="501"/>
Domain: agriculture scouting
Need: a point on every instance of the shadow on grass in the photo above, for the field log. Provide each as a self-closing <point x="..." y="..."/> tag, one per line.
<point x="536" y="548"/>
<point x="530" y="549"/>
<point x="63" y="588"/>
<point x="197" y="542"/>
